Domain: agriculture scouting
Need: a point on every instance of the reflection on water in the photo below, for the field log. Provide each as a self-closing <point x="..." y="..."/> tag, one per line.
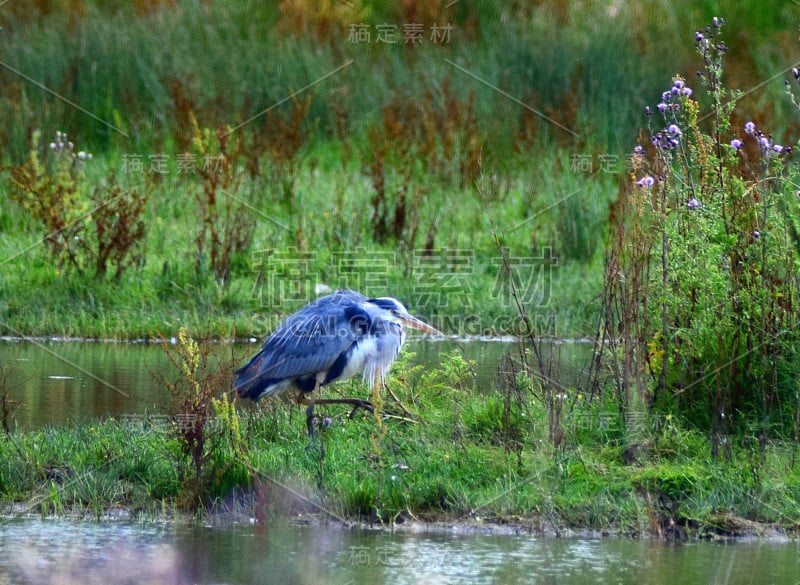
<point x="86" y="554"/>
<point x="44" y="552"/>
<point x="59" y="382"/>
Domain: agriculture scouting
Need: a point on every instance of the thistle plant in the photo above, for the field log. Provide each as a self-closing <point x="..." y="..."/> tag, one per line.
<point x="701" y="275"/>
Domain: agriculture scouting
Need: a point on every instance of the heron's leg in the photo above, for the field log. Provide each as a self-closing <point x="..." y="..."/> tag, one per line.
<point x="310" y="416"/>
<point x="356" y="403"/>
<point x="310" y="409"/>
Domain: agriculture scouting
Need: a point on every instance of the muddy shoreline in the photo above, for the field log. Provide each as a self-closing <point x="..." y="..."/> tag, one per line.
<point x="730" y="528"/>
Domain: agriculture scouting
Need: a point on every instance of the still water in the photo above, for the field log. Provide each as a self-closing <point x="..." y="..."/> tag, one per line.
<point x="39" y="552"/>
<point x="63" y="382"/>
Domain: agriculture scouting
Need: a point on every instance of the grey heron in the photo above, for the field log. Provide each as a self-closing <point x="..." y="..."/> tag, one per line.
<point x="332" y="338"/>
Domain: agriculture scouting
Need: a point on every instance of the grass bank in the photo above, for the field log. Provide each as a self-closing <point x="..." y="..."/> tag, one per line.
<point x="444" y="451"/>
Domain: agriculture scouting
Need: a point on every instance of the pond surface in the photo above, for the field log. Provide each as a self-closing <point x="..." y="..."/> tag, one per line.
<point x="39" y="552"/>
<point x="62" y="382"/>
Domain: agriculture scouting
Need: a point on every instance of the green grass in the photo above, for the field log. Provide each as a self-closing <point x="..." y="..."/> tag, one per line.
<point x="95" y="467"/>
<point x="91" y="468"/>
<point x="165" y="291"/>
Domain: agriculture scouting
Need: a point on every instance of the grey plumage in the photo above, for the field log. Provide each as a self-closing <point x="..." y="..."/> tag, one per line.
<point x="332" y="338"/>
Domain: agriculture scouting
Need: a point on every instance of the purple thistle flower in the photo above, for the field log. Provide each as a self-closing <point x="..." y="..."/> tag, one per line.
<point x="665" y="96"/>
<point x="638" y="149"/>
<point x="326" y="422"/>
<point x="662" y="107"/>
<point x="687" y="91"/>
<point x="648" y="111"/>
<point x="693" y="203"/>
<point x="736" y="143"/>
<point x="674" y="130"/>
<point x="749" y="128"/>
<point x="756" y="234"/>
<point x="764" y="142"/>
<point x="698" y="36"/>
<point x="646" y="181"/>
<point x="777" y="148"/>
<point x="678" y="83"/>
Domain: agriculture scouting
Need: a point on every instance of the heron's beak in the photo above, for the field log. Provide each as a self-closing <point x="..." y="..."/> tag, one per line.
<point x="411" y="321"/>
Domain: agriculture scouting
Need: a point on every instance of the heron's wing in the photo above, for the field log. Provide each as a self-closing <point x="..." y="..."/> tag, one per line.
<point x="307" y="343"/>
<point x="311" y="339"/>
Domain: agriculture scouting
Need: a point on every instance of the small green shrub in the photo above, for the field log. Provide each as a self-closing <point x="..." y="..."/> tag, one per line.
<point x="205" y="424"/>
<point x="88" y="230"/>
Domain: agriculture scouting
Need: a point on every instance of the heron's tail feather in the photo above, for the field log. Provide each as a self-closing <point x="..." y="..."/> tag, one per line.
<point x="251" y="382"/>
<point x="248" y="386"/>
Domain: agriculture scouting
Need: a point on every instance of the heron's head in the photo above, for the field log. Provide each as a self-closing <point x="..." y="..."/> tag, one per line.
<point x="393" y="310"/>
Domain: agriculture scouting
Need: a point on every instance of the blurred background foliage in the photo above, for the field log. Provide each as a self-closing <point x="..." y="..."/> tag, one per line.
<point x="592" y="66"/>
<point x="509" y="119"/>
